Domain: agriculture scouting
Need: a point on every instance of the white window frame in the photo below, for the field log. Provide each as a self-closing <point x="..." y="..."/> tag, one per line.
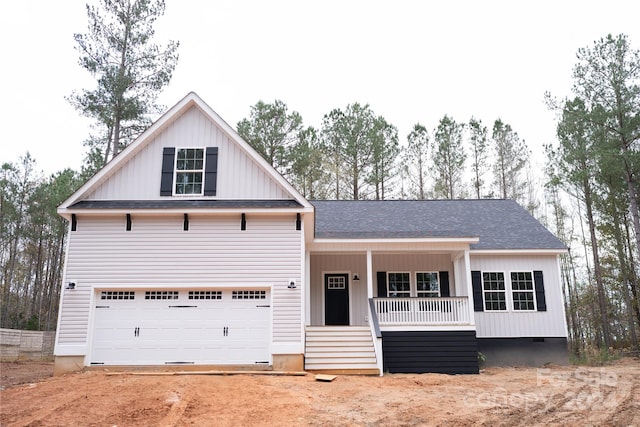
<point x="433" y="294"/>
<point x="532" y="291"/>
<point x="507" y="285"/>
<point x="202" y="171"/>
<point x="408" y="294"/>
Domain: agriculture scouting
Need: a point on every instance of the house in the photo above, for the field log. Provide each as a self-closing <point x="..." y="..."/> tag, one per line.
<point x="188" y="248"/>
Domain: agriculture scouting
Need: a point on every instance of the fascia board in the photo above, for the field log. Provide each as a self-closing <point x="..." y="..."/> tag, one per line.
<point x="469" y="240"/>
<point x="66" y="213"/>
<point x="518" y="251"/>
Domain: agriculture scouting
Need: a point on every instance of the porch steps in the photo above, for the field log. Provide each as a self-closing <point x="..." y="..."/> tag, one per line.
<point x="340" y="349"/>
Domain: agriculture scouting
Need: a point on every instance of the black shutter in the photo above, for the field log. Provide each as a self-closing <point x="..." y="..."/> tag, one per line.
<point x="444" y="284"/>
<point x="74" y="222"/>
<point x="476" y="284"/>
<point x="211" y="171"/>
<point x="166" y="181"/>
<point x="382" y="284"/>
<point x="541" y="301"/>
<point x="128" y="222"/>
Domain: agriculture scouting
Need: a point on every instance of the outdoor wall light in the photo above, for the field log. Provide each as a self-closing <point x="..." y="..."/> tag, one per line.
<point x="71" y="285"/>
<point x="292" y="284"/>
<point x="356" y="277"/>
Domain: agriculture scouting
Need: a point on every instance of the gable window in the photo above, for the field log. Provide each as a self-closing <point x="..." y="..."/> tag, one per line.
<point x="189" y="171"/>
<point x="523" y="291"/>
<point x="427" y="284"/>
<point x="494" y="292"/>
<point x="398" y="285"/>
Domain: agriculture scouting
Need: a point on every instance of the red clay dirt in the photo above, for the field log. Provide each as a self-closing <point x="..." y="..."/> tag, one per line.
<point x="566" y="395"/>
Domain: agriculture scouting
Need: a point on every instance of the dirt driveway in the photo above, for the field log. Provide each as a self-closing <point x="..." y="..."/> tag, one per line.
<point x="498" y="396"/>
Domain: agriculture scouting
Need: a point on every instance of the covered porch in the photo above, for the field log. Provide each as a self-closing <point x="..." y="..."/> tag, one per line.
<point x="411" y="284"/>
<point x="412" y="294"/>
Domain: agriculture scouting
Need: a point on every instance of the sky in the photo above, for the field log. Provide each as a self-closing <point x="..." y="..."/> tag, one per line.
<point x="411" y="61"/>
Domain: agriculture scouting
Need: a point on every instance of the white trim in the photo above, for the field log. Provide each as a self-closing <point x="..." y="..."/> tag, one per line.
<point x="430" y="292"/>
<point x="286" y="348"/>
<point x="201" y="171"/>
<point x="428" y="328"/>
<point x="401" y="240"/>
<point x="411" y="288"/>
<point x="307" y="294"/>
<point x="560" y="295"/>
<point x="466" y="267"/>
<point x="72" y="350"/>
<point x="370" y="276"/>
<point x="509" y="291"/>
<point x="533" y="292"/>
<point x="324" y="290"/>
<point x="518" y="251"/>
<point x="91" y="324"/>
<point x="179" y="211"/>
<point x="506" y="296"/>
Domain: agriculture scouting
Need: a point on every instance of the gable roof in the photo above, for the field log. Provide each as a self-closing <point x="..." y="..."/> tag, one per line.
<point x="500" y="224"/>
<point x="175" y="112"/>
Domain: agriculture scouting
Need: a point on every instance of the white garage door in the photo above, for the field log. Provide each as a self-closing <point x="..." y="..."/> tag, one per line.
<point x="158" y="327"/>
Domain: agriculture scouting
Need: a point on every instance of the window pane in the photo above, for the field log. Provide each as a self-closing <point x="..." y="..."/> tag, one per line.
<point x="190" y="159"/>
<point x="399" y="284"/>
<point x="427" y="284"/>
<point x="495" y="296"/>
<point x="521" y="281"/>
<point x="522" y="291"/>
<point x="189" y="183"/>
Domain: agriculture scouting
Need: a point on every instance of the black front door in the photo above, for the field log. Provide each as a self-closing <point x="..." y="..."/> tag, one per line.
<point x="336" y="299"/>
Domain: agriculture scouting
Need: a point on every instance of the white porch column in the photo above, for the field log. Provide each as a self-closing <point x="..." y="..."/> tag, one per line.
<point x="369" y="274"/>
<point x="467" y="271"/>
<point x="307" y="288"/>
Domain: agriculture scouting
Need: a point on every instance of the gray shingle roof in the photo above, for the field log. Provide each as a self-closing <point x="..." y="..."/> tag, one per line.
<point x="500" y="224"/>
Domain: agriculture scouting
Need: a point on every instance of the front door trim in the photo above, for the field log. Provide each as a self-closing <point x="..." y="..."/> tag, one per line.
<point x="345" y="319"/>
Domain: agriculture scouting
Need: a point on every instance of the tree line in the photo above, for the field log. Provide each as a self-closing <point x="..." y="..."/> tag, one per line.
<point x="588" y="195"/>
<point x="357" y="154"/>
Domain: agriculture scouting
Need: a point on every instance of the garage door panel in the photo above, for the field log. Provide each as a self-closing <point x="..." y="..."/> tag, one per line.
<point x="200" y="327"/>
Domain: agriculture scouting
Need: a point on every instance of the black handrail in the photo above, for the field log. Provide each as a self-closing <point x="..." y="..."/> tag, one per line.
<point x="374" y="318"/>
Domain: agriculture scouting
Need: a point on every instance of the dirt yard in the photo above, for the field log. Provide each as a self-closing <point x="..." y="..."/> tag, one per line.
<point x="498" y="396"/>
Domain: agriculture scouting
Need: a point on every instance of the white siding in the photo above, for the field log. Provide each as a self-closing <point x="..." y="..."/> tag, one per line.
<point x="351" y="264"/>
<point x="239" y="177"/>
<point x="550" y="323"/>
<point x="415" y="262"/>
<point x="157" y="252"/>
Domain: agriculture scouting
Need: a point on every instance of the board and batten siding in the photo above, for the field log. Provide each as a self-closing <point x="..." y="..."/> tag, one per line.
<point x="513" y="324"/>
<point x="158" y="253"/>
<point x="239" y="177"/>
<point x="357" y="264"/>
<point x="351" y="264"/>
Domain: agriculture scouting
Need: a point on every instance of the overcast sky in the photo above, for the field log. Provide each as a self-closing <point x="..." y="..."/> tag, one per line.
<point x="412" y="61"/>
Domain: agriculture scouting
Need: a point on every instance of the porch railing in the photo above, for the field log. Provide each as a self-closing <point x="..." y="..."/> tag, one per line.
<point x="422" y="311"/>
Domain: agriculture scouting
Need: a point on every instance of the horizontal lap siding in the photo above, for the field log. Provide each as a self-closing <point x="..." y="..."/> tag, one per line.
<point x="449" y="352"/>
<point x="157" y="252"/>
